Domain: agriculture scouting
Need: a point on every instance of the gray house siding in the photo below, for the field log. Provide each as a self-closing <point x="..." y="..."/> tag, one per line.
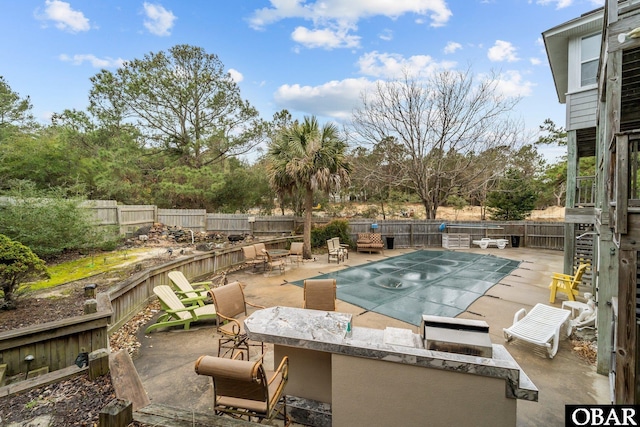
<point x="581" y="109"/>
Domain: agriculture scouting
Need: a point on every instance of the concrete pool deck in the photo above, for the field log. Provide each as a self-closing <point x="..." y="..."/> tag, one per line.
<point x="166" y="358"/>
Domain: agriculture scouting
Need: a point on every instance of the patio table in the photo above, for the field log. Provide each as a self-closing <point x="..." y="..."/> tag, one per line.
<point x="278" y="253"/>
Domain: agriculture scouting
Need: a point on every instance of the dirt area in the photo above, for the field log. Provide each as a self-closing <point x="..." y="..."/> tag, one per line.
<point x="77" y="401"/>
<point x="472" y="213"/>
<point x="66" y="300"/>
<point x="416" y="211"/>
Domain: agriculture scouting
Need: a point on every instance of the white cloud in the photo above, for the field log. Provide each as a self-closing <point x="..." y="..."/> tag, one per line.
<point x="502" y="51"/>
<point x="386" y="35"/>
<point x="65" y="18"/>
<point x="451" y="47"/>
<point x="159" y="21"/>
<point x="560" y="4"/>
<point x="390" y="65"/>
<point x="326" y="38"/>
<point x="535" y="61"/>
<point x="335" y="99"/>
<point x="93" y="60"/>
<point x="349" y="11"/>
<point x="236" y="75"/>
<point x="333" y="20"/>
<point x="512" y="84"/>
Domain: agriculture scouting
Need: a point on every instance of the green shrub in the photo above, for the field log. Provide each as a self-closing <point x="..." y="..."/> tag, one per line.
<point x="337" y="228"/>
<point x="18" y="264"/>
<point x="51" y="222"/>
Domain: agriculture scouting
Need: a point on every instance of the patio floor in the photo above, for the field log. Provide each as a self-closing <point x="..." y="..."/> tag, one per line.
<point x="166" y="358"/>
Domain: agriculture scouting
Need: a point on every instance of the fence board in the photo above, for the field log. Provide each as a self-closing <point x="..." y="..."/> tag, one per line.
<point x="54" y="344"/>
<point x="104" y="211"/>
<point x="195" y="219"/>
<point x="132" y="217"/>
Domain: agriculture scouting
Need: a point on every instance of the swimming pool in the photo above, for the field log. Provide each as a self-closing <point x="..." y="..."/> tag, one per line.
<point x="440" y="283"/>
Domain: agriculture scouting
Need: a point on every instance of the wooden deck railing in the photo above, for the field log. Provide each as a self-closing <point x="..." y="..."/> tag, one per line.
<point x="57" y="344"/>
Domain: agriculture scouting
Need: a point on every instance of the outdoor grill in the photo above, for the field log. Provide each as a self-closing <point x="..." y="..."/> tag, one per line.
<point x="455" y="335"/>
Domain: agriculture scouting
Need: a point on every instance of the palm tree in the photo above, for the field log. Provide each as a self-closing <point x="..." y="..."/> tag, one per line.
<point x="307" y="157"/>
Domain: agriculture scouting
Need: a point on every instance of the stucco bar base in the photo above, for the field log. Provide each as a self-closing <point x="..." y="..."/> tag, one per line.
<point x="379" y="377"/>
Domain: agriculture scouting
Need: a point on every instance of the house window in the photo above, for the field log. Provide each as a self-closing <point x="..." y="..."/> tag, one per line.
<point x="589" y="54"/>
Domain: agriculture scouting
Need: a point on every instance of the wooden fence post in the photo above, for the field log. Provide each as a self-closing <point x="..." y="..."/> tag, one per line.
<point x="117" y="413"/>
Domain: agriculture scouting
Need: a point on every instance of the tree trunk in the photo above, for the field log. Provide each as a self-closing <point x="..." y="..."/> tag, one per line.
<point x="306" y="235"/>
<point x="430" y="213"/>
<point x="384" y="216"/>
<point x="9" y="300"/>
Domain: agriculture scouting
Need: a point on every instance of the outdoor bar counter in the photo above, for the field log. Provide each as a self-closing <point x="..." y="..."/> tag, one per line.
<point x="378" y="377"/>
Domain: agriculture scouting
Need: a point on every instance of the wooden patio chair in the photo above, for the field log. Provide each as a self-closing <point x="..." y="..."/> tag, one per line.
<point x="320" y="294"/>
<point x="343" y="247"/>
<point x="176" y="313"/>
<point x="333" y="251"/>
<point x="231" y="308"/>
<point x="566" y="284"/>
<point x="243" y="388"/>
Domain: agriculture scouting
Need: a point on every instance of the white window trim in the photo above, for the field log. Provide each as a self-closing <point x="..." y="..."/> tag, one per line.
<point x="574" y="66"/>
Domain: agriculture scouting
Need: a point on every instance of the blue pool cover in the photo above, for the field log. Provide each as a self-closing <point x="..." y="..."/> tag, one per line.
<point x="405" y="287"/>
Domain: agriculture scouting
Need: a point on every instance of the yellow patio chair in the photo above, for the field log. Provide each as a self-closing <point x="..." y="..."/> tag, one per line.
<point x="566" y="284"/>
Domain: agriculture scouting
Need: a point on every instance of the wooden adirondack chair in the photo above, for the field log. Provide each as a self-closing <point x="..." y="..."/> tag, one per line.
<point x="566" y="283"/>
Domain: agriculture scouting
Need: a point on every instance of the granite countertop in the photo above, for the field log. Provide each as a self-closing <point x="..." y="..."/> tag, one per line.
<point x="327" y="331"/>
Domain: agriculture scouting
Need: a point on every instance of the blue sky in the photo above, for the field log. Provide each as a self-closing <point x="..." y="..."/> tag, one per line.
<point x="310" y="57"/>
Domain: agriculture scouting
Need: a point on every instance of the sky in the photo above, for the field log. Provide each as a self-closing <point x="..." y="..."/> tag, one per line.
<point x="309" y="57"/>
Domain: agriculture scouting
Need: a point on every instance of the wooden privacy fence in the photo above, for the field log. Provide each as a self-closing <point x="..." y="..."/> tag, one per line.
<point x="417" y="233"/>
<point x="57" y="344"/>
<point x="130" y="218"/>
<point x="406" y="233"/>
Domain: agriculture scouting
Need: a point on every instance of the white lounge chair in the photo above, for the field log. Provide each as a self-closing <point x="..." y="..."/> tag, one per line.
<point x="485" y="242"/>
<point x="541" y="326"/>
